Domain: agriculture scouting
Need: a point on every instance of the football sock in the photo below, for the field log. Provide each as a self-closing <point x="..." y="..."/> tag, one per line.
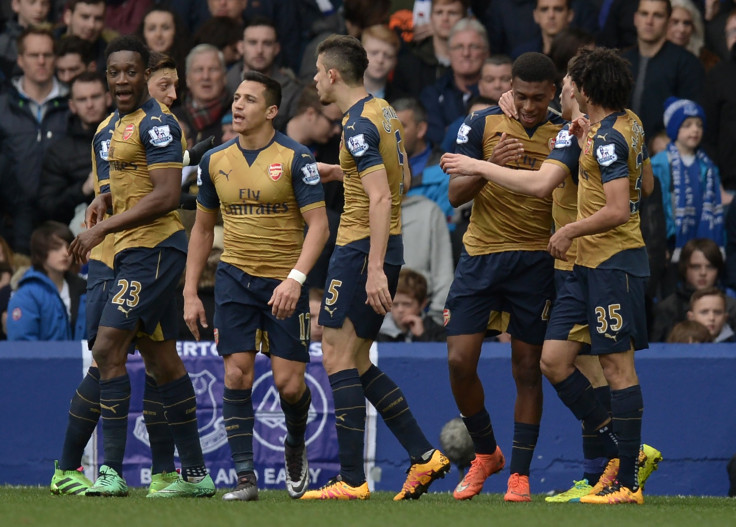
<point x="594" y="450"/>
<point x="481" y="432"/>
<point x="180" y="406"/>
<point x="349" y="399"/>
<point x="114" y="406"/>
<point x="578" y="395"/>
<point x="627" y="406"/>
<point x="387" y="397"/>
<point x="237" y="412"/>
<point x="296" y="415"/>
<point x="84" y="412"/>
<point x="159" y="435"/>
<point x="525" y="439"/>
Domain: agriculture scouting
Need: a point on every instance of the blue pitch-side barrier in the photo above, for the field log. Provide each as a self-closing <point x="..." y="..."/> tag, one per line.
<point x="690" y="403"/>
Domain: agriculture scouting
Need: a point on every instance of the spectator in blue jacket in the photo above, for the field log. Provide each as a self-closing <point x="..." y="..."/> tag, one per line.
<point x="50" y="301"/>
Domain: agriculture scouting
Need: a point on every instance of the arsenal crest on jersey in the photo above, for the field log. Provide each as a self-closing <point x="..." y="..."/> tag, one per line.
<point x="128" y="132"/>
<point x="275" y="170"/>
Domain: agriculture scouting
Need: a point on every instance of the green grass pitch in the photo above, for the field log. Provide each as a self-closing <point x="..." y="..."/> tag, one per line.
<point x="35" y="506"/>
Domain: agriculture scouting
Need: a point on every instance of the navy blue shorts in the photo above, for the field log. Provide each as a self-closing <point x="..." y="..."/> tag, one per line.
<point x="144" y="292"/>
<point x="603" y="307"/>
<point x="508" y="291"/>
<point x="244" y="322"/>
<point x="96" y="300"/>
<point x="577" y="333"/>
<point x="345" y="294"/>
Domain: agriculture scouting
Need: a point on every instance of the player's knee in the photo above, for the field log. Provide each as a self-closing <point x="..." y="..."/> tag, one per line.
<point x="551" y="370"/>
<point x="460" y="368"/>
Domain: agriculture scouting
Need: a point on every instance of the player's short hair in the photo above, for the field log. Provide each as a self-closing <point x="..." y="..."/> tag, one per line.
<point x="74" y="45"/>
<point x="273" y="87"/>
<point x="689" y="332"/>
<point x="346" y="55"/>
<point x="87" y="76"/>
<point x="160" y="61"/>
<point x="419" y="113"/>
<point x="412" y="283"/>
<point x="479" y="99"/>
<point x="534" y="67"/>
<point x="604" y="76"/>
<point x="46" y="237"/>
<point x="708" y="291"/>
<point x="566" y="45"/>
<point x="43" y="30"/>
<point x="129" y="43"/>
<point x="710" y="250"/>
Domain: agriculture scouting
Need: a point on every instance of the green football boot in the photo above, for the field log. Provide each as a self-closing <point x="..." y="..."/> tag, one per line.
<point x="69" y="482"/>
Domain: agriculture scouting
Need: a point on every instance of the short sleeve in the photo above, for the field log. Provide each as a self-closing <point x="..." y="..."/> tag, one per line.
<point x="161" y="138"/>
<point x="612" y="155"/>
<point x="363" y="141"/>
<point x="207" y="197"/>
<point x="305" y="178"/>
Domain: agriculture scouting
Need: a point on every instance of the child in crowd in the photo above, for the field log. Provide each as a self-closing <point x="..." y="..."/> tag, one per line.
<point x="708" y="306"/>
<point x="689" y="332"/>
<point x="691" y="184"/>
<point x="382" y="47"/>
<point x="407" y="321"/>
<point x="701" y="266"/>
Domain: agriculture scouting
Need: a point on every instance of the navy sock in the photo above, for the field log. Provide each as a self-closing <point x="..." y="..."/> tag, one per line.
<point x="594" y="449"/>
<point x="627" y="406"/>
<point x="389" y="400"/>
<point x="578" y="395"/>
<point x="114" y="406"/>
<point x="347" y="392"/>
<point x="525" y="439"/>
<point x="237" y="411"/>
<point x="84" y="413"/>
<point x="481" y="432"/>
<point x="296" y="418"/>
<point x="180" y="405"/>
<point x="159" y="434"/>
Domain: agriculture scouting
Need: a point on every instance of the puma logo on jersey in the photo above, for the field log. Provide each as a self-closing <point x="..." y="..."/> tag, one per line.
<point x="157" y="117"/>
<point x="226" y="174"/>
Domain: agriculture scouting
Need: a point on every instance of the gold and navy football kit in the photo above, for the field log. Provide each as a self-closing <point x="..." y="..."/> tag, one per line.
<point x="262" y="195"/>
<point x="504" y="280"/>
<point x="150" y="258"/>
<point x="99" y="269"/>
<point x="611" y="268"/>
<point x="371" y="141"/>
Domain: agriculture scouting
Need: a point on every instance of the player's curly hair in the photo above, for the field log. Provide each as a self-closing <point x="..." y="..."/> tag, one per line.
<point x="604" y="76"/>
<point x="346" y="55"/>
<point x="129" y="43"/>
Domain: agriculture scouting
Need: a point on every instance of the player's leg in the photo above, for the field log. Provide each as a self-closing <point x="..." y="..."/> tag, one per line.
<point x="594" y="450"/>
<point x="163" y="468"/>
<point x="239" y="419"/>
<point x="180" y="406"/>
<point x="527" y="416"/>
<point x="288" y="376"/>
<point x="84" y="413"/>
<point x="110" y="352"/>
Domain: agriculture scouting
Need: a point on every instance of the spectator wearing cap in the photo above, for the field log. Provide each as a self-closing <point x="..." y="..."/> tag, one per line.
<point x="690" y="181"/>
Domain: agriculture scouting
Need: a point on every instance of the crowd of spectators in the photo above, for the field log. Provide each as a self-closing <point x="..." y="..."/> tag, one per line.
<point x="454" y="59"/>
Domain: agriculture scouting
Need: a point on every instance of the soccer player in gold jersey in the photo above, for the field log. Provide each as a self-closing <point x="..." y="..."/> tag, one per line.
<point x="363" y="275"/>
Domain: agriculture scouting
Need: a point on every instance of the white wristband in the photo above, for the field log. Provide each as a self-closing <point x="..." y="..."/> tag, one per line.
<point x="297" y="275"/>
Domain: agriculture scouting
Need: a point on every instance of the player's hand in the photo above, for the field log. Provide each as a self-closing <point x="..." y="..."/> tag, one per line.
<point x="415" y="324"/>
<point x="194" y="314"/>
<point x="506" y="103"/>
<point x="85" y="242"/>
<point x="507" y="150"/>
<point x="329" y="173"/>
<point x="376" y="288"/>
<point x="559" y="244"/>
<point x="194" y="155"/>
<point x="460" y="165"/>
<point x="97" y="209"/>
<point x="579" y="128"/>
<point x="284" y="298"/>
